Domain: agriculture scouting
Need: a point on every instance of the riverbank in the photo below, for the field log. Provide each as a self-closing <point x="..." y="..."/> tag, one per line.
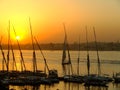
<point x="102" y="46"/>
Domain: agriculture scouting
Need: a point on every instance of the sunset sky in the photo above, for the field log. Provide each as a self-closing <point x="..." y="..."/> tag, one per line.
<point x="47" y="17"/>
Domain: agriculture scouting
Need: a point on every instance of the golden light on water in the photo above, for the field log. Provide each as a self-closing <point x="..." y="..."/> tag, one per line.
<point x="18" y="66"/>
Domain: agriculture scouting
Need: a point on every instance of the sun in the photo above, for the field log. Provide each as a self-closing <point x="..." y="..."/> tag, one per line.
<point x="17" y="37"/>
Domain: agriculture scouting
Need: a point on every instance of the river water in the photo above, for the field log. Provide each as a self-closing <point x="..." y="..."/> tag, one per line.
<point x="110" y="63"/>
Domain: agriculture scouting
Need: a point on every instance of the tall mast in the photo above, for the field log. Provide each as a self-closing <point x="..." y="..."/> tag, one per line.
<point x="69" y="62"/>
<point x="14" y="62"/>
<point x="99" y="69"/>
<point x="78" y="56"/>
<point x="34" y="55"/>
<point x="88" y="59"/>
<point x="66" y="47"/>
<point x="8" y="58"/>
<point x="4" y="59"/>
<point x="22" y="60"/>
<point x="42" y="54"/>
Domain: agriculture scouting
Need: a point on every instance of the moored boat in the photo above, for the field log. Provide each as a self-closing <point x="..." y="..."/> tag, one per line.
<point x="94" y="80"/>
<point x="116" y="78"/>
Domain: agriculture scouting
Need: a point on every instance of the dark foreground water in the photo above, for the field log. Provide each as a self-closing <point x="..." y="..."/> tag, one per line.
<point x="110" y="63"/>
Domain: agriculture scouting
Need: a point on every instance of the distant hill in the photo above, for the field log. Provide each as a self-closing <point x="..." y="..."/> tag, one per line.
<point x="102" y="46"/>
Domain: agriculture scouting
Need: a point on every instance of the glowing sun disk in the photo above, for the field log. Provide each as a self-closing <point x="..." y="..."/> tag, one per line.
<point x="18" y="37"/>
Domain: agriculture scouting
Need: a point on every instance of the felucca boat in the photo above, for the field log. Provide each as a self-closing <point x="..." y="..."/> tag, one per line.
<point x="94" y="79"/>
<point x="68" y="75"/>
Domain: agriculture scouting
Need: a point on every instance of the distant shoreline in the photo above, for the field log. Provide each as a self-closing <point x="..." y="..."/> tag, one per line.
<point x="102" y="46"/>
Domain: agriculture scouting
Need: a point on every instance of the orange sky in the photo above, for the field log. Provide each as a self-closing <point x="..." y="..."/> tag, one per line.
<point x="47" y="17"/>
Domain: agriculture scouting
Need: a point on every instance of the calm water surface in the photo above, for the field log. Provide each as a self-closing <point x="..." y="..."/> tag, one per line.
<point x="110" y="63"/>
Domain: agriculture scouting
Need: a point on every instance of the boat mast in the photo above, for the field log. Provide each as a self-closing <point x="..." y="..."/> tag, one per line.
<point x="69" y="62"/>
<point x="34" y="55"/>
<point x="99" y="69"/>
<point x="4" y="59"/>
<point x="88" y="59"/>
<point x="8" y="58"/>
<point x="22" y="60"/>
<point x="42" y="54"/>
<point x="66" y="46"/>
<point x="64" y="52"/>
<point x="78" y="61"/>
<point x="14" y="62"/>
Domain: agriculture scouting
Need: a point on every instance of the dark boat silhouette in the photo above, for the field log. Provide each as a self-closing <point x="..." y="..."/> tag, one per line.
<point x="95" y="79"/>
